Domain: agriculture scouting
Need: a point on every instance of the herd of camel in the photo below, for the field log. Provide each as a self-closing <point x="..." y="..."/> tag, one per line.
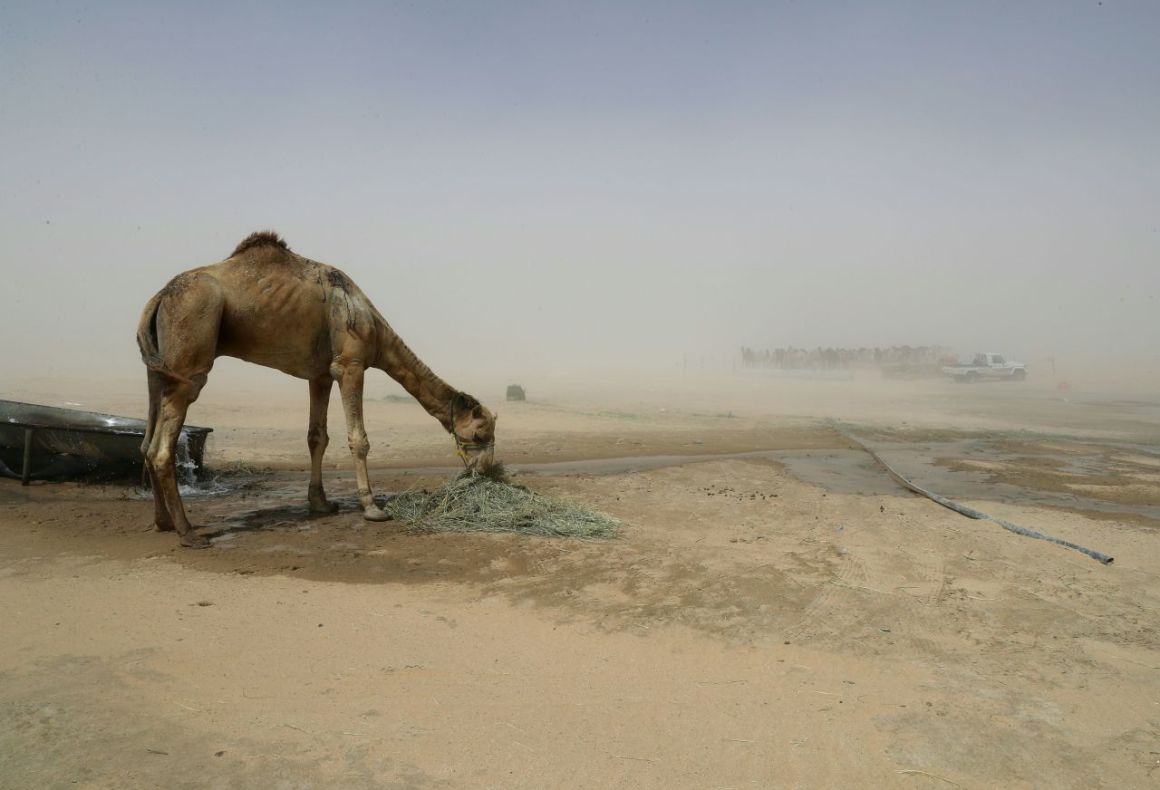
<point x="841" y="358"/>
<point x="268" y="305"/>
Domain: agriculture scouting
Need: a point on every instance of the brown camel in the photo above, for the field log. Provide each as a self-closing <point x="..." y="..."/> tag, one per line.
<point x="268" y="305"/>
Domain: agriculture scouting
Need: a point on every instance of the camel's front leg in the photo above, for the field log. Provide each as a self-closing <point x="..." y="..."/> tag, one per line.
<point x="317" y="439"/>
<point x="350" y="385"/>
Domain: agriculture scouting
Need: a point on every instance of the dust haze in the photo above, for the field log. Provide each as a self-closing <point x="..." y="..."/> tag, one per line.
<point x="731" y="252"/>
<point x="541" y="192"/>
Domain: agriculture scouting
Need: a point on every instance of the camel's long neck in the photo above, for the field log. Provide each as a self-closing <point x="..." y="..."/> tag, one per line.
<point x="433" y="393"/>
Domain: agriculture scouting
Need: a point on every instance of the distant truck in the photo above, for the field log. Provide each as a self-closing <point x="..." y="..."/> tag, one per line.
<point x="987" y="366"/>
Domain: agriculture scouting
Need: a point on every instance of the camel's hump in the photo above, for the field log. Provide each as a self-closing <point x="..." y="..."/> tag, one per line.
<point x="261" y="238"/>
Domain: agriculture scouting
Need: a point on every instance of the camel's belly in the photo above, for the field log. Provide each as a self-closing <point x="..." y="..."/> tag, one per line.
<point x="287" y="361"/>
<point x="292" y="336"/>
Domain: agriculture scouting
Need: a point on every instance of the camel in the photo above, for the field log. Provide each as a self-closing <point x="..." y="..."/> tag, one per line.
<point x="268" y="305"/>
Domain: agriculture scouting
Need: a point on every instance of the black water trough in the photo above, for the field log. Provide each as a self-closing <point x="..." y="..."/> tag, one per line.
<point x="50" y="443"/>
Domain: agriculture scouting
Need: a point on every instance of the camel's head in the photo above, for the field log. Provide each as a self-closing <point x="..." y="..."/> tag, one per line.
<point x="473" y="427"/>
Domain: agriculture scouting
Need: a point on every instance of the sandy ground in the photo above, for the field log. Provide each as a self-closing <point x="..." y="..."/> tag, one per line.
<point x="793" y="620"/>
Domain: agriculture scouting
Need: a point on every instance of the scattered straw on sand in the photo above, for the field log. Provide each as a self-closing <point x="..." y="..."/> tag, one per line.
<point x="474" y="503"/>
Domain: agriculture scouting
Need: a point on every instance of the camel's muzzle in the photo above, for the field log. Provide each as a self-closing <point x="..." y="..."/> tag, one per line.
<point x="476" y="456"/>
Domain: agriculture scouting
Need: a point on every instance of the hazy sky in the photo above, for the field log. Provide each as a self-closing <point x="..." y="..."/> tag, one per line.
<point x="532" y="187"/>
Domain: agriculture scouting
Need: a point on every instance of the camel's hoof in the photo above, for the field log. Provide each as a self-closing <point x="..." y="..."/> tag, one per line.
<point x="162" y="527"/>
<point x="376" y="513"/>
<point x="323" y="508"/>
<point x="191" y="540"/>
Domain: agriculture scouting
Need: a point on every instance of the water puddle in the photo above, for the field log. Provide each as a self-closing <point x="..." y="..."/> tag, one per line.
<point x="849" y="471"/>
<point x="838" y="471"/>
<point x="919" y="464"/>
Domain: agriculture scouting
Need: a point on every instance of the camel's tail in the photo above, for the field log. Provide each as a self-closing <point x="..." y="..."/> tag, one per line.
<point x="148" y="343"/>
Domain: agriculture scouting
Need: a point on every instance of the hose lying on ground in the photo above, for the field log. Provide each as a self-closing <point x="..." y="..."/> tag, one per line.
<point x="971" y="512"/>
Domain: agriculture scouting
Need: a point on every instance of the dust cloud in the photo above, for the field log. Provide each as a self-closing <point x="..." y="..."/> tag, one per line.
<point x="597" y="195"/>
<point x="698" y="235"/>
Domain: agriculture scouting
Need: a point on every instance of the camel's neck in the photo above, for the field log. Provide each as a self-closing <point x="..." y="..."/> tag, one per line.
<point x="433" y="393"/>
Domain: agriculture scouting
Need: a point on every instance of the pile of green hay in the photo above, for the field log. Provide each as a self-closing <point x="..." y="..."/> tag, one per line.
<point x="477" y="503"/>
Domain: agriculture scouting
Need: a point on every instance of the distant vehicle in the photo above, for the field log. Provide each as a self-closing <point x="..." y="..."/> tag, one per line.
<point x="987" y="366"/>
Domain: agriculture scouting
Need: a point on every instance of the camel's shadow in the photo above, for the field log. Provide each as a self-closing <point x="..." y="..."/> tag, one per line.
<point x="294" y="517"/>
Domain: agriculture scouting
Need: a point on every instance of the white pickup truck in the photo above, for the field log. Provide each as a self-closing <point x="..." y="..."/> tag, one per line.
<point x="987" y="366"/>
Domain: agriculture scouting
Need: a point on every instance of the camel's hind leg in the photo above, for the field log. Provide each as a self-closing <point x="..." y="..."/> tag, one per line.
<point x="183" y="337"/>
<point x="162" y="455"/>
<point x="317" y="439"/>
<point x="162" y="521"/>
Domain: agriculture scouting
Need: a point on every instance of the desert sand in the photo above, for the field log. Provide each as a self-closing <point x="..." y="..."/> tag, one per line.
<point x="784" y="618"/>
